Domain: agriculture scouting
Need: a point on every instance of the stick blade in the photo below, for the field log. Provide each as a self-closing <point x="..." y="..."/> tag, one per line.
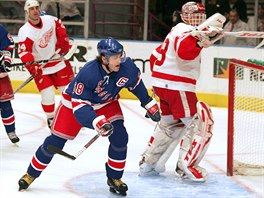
<point x="56" y="150"/>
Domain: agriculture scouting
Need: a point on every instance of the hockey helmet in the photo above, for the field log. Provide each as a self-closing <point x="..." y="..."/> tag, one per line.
<point x="30" y="4"/>
<point x="193" y="13"/>
<point x="110" y="47"/>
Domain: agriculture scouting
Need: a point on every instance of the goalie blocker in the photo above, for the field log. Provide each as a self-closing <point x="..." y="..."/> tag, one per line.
<point x="195" y="138"/>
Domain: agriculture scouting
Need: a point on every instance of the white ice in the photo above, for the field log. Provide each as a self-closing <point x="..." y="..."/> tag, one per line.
<point x="85" y="177"/>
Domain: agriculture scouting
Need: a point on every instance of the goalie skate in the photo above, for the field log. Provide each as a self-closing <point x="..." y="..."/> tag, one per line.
<point x="117" y="186"/>
<point x="199" y="171"/>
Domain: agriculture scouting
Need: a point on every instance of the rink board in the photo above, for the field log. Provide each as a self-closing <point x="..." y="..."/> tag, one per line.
<point x="166" y="185"/>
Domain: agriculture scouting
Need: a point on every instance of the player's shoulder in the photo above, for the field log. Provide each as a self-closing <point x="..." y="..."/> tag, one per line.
<point x="89" y="73"/>
<point x="91" y="68"/>
<point x="181" y="27"/>
<point x="47" y="17"/>
<point x="129" y="64"/>
<point x="129" y="67"/>
<point x="1" y="27"/>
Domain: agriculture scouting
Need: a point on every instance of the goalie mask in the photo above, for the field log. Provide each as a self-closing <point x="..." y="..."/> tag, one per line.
<point x="193" y="13"/>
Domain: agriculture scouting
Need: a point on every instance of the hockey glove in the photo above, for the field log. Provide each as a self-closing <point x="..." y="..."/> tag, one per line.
<point x="4" y="64"/>
<point x="63" y="45"/>
<point x="103" y="126"/>
<point x="34" y="69"/>
<point x="5" y="61"/>
<point x="208" y="36"/>
<point x="152" y="110"/>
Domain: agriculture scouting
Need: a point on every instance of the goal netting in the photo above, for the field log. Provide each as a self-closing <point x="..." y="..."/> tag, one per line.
<point x="245" y="155"/>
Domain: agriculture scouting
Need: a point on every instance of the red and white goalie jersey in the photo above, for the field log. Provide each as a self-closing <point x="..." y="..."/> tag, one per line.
<point x="175" y="64"/>
<point x="41" y="42"/>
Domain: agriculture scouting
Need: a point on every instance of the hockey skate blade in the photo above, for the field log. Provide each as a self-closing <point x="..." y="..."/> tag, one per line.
<point x="56" y="150"/>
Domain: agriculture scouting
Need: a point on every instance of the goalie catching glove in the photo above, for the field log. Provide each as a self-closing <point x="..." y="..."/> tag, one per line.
<point x="208" y="36"/>
<point x="152" y="110"/>
<point x="103" y="126"/>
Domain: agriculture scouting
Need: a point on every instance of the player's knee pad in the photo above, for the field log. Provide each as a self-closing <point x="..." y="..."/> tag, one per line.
<point x="119" y="137"/>
<point x="48" y="96"/>
<point x="195" y="142"/>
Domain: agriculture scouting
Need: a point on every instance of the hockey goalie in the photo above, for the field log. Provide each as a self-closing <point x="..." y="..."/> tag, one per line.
<point x="175" y="67"/>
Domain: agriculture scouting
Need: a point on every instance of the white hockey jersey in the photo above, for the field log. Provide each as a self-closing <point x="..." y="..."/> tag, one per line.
<point x="39" y="43"/>
<point x="175" y="64"/>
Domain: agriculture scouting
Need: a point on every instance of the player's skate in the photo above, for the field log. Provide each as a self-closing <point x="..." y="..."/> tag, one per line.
<point x="25" y="181"/>
<point x="49" y="122"/>
<point x="117" y="186"/>
<point x="13" y="137"/>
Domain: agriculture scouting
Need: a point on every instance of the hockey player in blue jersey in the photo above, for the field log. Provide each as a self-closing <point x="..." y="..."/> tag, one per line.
<point x="91" y="100"/>
<point x="6" y="91"/>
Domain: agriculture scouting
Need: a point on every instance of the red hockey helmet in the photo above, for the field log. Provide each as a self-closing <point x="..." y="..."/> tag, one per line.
<point x="193" y="13"/>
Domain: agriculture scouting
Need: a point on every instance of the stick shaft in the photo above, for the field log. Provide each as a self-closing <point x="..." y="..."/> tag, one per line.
<point x="56" y="150"/>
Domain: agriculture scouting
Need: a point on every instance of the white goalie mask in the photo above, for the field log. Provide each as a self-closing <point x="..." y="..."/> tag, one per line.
<point x="193" y="13"/>
<point x="30" y="4"/>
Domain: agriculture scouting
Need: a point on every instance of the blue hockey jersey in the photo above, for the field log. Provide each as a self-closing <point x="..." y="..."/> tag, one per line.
<point x="6" y="40"/>
<point x="93" y="87"/>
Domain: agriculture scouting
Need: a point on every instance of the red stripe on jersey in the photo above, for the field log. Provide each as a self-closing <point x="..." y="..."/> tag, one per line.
<point x="116" y="164"/>
<point x="8" y="121"/>
<point x="79" y="103"/>
<point x="66" y="96"/>
<point x="37" y="165"/>
<point x="173" y="78"/>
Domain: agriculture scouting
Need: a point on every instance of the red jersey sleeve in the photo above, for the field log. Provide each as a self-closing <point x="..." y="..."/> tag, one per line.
<point x="188" y="48"/>
<point x="25" y="50"/>
<point x="62" y="37"/>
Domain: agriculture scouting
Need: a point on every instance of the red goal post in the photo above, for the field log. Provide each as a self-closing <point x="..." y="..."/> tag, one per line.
<point x="245" y="148"/>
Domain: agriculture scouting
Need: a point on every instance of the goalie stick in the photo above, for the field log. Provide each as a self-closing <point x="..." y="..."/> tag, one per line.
<point x="247" y="34"/>
<point x="56" y="150"/>
<point x="65" y="57"/>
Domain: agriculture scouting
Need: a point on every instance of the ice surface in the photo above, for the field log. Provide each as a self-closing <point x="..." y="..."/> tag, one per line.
<point x="85" y="177"/>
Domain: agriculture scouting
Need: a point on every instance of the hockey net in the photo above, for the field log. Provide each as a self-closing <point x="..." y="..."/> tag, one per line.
<point x="245" y="155"/>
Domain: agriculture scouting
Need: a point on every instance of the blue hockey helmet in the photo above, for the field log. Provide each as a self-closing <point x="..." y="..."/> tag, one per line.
<point x="110" y="47"/>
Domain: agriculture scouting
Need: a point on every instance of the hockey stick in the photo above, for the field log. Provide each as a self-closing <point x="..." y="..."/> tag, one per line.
<point x="30" y="78"/>
<point x="260" y="44"/>
<point x="65" y="57"/>
<point x="247" y="34"/>
<point x="56" y="150"/>
<point x="38" y="62"/>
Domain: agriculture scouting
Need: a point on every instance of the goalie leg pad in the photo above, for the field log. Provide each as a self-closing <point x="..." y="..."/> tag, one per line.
<point x="195" y="144"/>
<point x="165" y="140"/>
